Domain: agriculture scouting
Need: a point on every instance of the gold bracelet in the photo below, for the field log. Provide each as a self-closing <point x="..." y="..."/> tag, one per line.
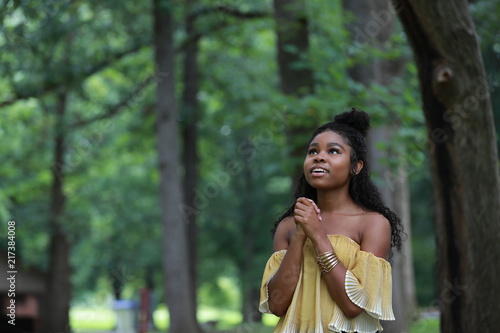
<point x="327" y="261"/>
<point x="326" y="268"/>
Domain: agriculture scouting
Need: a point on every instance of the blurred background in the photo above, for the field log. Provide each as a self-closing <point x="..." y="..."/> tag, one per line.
<point x="79" y="148"/>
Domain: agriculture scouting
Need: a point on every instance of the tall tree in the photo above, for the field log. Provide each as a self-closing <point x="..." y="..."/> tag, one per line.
<point x="176" y="269"/>
<point x="48" y="49"/>
<point x="293" y="45"/>
<point x="464" y="160"/>
<point x="296" y="75"/>
<point x="249" y="207"/>
<point x="189" y="114"/>
<point x="58" y="279"/>
<point x="372" y="28"/>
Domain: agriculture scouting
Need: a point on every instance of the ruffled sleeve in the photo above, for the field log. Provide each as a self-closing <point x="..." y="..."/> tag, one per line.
<point x="368" y="284"/>
<point x="272" y="266"/>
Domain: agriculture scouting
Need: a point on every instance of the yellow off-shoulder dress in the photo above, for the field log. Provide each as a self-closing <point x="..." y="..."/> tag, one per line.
<point x="368" y="284"/>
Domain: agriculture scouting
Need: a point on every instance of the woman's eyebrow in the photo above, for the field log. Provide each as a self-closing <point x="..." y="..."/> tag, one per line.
<point x="330" y="144"/>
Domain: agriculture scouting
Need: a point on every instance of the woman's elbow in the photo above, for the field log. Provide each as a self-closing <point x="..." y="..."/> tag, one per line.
<point x="352" y="312"/>
<point x="278" y="311"/>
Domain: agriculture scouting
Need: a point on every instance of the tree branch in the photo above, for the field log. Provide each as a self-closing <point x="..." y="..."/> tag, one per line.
<point x="223" y="8"/>
<point x="220" y="8"/>
<point x="115" y="109"/>
<point x="193" y="38"/>
<point x="91" y="71"/>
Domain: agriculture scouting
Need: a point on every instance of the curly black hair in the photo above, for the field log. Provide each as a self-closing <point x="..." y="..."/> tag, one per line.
<point x="353" y="127"/>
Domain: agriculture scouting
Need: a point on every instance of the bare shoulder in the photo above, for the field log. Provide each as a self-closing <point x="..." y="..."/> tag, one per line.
<point x="376" y="222"/>
<point x="376" y="234"/>
<point x="283" y="234"/>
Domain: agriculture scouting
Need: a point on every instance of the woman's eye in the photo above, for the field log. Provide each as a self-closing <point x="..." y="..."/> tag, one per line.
<point x="311" y="151"/>
<point x="334" y="151"/>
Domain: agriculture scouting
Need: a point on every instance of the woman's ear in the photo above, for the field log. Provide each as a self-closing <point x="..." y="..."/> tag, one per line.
<point x="358" y="167"/>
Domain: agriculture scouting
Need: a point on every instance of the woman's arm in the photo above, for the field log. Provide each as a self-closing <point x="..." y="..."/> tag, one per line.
<point x="282" y="285"/>
<point x="335" y="279"/>
<point x="376" y="238"/>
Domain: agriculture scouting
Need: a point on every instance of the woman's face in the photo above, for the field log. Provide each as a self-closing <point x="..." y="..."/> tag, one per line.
<point x="328" y="162"/>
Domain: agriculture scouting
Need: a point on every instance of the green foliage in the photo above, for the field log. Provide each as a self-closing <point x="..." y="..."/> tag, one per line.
<point x="92" y="52"/>
<point x="98" y="53"/>
<point x="225" y="291"/>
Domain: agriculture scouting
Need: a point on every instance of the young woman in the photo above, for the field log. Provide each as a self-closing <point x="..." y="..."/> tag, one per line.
<point x="329" y="270"/>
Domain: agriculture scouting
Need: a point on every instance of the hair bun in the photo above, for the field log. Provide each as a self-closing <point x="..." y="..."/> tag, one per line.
<point x="355" y="118"/>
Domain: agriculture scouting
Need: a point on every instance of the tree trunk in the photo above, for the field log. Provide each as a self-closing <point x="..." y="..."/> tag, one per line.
<point x="374" y="24"/>
<point x="296" y="76"/>
<point x="395" y="191"/>
<point x="116" y="278"/>
<point x="175" y="262"/>
<point x="403" y="276"/>
<point x="250" y="304"/>
<point x="246" y="265"/>
<point x="56" y="309"/>
<point x="190" y="158"/>
<point x="464" y="161"/>
<point x="150" y="286"/>
<point x="250" y="300"/>
<point x="293" y="46"/>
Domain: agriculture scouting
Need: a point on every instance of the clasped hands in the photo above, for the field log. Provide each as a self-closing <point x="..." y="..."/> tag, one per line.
<point x="307" y="218"/>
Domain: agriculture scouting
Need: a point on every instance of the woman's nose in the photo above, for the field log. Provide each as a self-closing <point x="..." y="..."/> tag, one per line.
<point x="319" y="158"/>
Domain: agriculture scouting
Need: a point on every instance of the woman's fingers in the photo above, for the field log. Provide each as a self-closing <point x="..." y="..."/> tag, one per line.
<point x="306" y="206"/>
<point x="316" y="208"/>
<point x="300" y="212"/>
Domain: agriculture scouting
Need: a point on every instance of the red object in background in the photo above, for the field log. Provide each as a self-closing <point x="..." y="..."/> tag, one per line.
<point x="144" y="314"/>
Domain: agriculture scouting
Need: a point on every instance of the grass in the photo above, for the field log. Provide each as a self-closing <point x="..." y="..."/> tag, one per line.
<point x="85" y="320"/>
<point x="425" y="326"/>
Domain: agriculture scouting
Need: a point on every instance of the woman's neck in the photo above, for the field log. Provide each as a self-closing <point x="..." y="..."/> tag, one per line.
<point x="336" y="201"/>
